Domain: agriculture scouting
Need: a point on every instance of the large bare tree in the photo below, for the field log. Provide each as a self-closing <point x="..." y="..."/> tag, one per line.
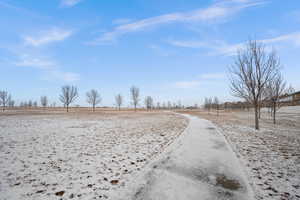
<point x="93" y="98"/>
<point x="119" y="101"/>
<point x="275" y="88"/>
<point x="253" y="68"/>
<point x="4" y="99"/>
<point x="135" y="96"/>
<point x="68" y="95"/>
<point x="44" y="101"/>
<point x="149" y="102"/>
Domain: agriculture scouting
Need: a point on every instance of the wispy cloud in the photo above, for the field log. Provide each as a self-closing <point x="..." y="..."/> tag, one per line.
<point x="28" y="61"/>
<point x="20" y="10"/>
<point x="187" y="84"/>
<point x="46" y="37"/>
<point x="69" y="3"/>
<point x="216" y="12"/>
<point x="222" y="48"/>
<point x="48" y="67"/>
<point x="60" y="75"/>
<point x="201" y="80"/>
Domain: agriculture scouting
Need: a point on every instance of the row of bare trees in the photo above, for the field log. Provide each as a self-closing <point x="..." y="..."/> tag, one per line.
<point x="256" y="77"/>
<point x="212" y="103"/>
<point x="69" y="95"/>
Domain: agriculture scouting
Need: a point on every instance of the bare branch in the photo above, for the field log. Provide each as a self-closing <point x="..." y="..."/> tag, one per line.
<point x="68" y="96"/>
<point x="93" y="98"/>
<point x="135" y="93"/>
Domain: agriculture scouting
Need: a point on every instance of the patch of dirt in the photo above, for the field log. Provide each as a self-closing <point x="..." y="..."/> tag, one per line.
<point x="230" y="184"/>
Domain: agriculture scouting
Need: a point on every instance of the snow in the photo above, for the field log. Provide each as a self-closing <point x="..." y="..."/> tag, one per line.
<point x="79" y="156"/>
<point x="200" y="164"/>
<point x="271" y="156"/>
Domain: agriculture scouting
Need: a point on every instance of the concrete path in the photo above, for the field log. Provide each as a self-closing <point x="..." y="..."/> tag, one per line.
<point x="201" y="165"/>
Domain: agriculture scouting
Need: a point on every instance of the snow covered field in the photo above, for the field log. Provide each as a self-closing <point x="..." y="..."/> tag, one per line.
<point x="271" y="155"/>
<point x="80" y="156"/>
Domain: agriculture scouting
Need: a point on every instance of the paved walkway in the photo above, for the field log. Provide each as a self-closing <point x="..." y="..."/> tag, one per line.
<point x="200" y="165"/>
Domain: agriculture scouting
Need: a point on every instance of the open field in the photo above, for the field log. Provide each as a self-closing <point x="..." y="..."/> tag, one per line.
<point x="55" y="155"/>
<point x="271" y="155"/>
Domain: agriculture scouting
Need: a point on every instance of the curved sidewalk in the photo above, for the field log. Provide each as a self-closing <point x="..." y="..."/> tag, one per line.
<point x="201" y="165"/>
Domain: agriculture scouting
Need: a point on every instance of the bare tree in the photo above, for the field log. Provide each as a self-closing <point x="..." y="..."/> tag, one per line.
<point x="217" y="104"/>
<point x="119" y="101"/>
<point x="169" y="105"/>
<point x="251" y="71"/>
<point x="135" y="93"/>
<point x="208" y="104"/>
<point x="274" y="89"/>
<point x="4" y="99"/>
<point x="44" y="101"/>
<point x="149" y="102"/>
<point x="158" y="106"/>
<point x="30" y="103"/>
<point x="93" y="98"/>
<point x="179" y="105"/>
<point x="11" y="103"/>
<point x="68" y="95"/>
<point x="205" y="103"/>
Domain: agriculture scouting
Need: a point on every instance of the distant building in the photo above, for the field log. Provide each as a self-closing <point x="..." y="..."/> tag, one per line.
<point x="291" y="99"/>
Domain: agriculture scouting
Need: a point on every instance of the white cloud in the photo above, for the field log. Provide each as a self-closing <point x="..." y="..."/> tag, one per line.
<point x="70" y="3"/>
<point x="28" y="61"/>
<point x="290" y="39"/>
<point x="49" y="68"/>
<point x="202" y="80"/>
<point x="222" y="48"/>
<point x="216" y="12"/>
<point x="46" y="37"/>
<point x="187" y="84"/>
<point x="60" y="75"/>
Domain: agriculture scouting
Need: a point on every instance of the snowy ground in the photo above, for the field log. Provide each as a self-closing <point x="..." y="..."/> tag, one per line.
<point x="199" y="165"/>
<point x="79" y="156"/>
<point x="271" y="155"/>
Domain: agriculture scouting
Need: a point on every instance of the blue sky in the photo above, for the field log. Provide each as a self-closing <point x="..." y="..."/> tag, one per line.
<point x="171" y="49"/>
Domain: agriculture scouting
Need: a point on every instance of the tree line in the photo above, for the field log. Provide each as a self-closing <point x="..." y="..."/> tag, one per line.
<point x="69" y="94"/>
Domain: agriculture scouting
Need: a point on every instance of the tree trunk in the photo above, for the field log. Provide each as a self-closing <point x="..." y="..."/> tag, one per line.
<point x="256" y="116"/>
<point x="93" y="108"/>
<point x="274" y="113"/>
<point x="67" y="108"/>
<point x="259" y="106"/>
